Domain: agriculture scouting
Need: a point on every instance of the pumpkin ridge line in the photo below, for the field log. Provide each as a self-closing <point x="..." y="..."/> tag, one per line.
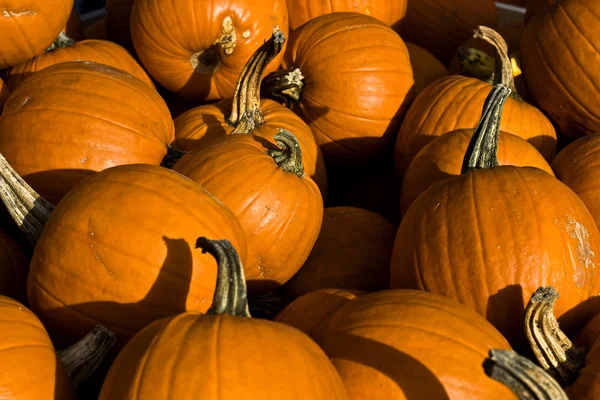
<point x="480" y="244"/>
<point x="27" y="346"/>
<point x="570" y="19"/>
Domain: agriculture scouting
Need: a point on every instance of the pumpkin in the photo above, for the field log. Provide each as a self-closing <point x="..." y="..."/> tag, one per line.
<point x="96" y="30"/>
<point x="442" y="159"/>
<point x="455" y="102"/>
<point x="426" y="68"/>
<point x="352" y="251"/>
<point x="14" y="266"/>
<point x="349" y="77"/>
<point x="28" y="28"/>
<point x="490" y="236"/>
<point x="406" y="344"/>
<point x="279" y="207"/>
<point x="441" y="26"/>
<point x="117" y="23"/>
<point x="94" y="117"/>
<point x="4" y="93"/>
<point x="98" y="51"/>
<point x="576" y="165"/>
<point x="389" y="12"/>
<point x="202" y="59"/>
<point x="535" y="7"/>
<point x="74" y="26"/>
<point x="218" y="353"/>
<point x="247" y="113"/>
<point x="309" y="312"/>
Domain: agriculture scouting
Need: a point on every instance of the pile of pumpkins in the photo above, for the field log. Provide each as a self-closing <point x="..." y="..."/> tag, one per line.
<point x="298" y="199"/>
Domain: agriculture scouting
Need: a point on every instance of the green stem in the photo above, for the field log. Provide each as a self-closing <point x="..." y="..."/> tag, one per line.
<point x="289" y="156"/>
<point x="60" y="42"/>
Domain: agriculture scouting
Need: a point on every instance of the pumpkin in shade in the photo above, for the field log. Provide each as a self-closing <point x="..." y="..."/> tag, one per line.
<point x="117" y="22"/>
<point x="309" y="312"/>
<point x="535" y="7"/>
<point x="353" y="251"/>
<point x="96" y="30"/>
<point x="490" y="236"/>
<point x="74" y="26"/>
<point x="441" y="26"/>
<point x="4" y="93"/>
<point x="455" y="102"/>
<point x="302" y="11"/>
<point x="557" y="49"/>
<point x="14" y="266"/>
<point x="279" y="207"/>
<point x="246" y="113"/>
<point x="203" y="57"/>
<point x="98" y="51"/>
<point x="349" y="77"/>
<point x="406" y="344"/>
<point x="223" y="355"/>
<point x="28" y="28"/>
<point x="94" y="117"/>
<point x="426" y="68"/>
<point x="442" y="159"/>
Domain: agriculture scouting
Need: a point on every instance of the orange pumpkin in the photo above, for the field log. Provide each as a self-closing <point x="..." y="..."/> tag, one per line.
<point x="223" y="355"/>
<point x="14" y="266"/>
<point x="94" y="117"/>
<point x="441" y="26"/>
<point x="353" y="251"/>
<point x="4" y="93"/>
<point x="302" y="11"/>
<point x="455" y="102"/>
<point x="247" y="113"/>
<point x="405" y="344"/>
<point x="443" y="157"/>
<point x="117" y="23"/>
<point x="556" y="48"/>
<point x="203" y="57"/>
<point x="426" y="68"/>
<point x="28" y="28"/>
<point x="279" y="207"/>
<point x="349" y="77"/>
<point x="74" y="26"/>
<point x="98" y="51"/>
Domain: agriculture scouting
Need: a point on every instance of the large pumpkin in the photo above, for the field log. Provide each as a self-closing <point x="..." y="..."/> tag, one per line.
<point x="93" y="117"/>
<point x="198" y="48"/>
<point x="302" y="11"/>
<point x="455" y="102"/>
<point x="29" y="27"/>
<point x="224" y="355"/>
<point x="353" y="251"/>
<point x="349" y="77"/>
<point x="557" y="48"/>
<point x="405" y="344"/>
<point x="279" y="207"/>
<point x="14" y="266"/>
<point x="426" y="67"/>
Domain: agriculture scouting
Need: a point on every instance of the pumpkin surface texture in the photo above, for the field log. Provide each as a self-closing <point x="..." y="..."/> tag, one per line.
<point x="207" y="366"/>
<point x="203" y="57"/>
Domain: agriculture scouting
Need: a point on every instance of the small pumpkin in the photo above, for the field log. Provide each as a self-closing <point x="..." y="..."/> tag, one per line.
<point x="219" y="353"/>
<point x="28" y="28"/>
<point x="93" y="117"/>
<point x="279" y="207"/>
<point x="117" y="22"/>
<point x="14" y="266"/>
<point x="426" y="68"/>
<point x="202" y="58"/>
<point x="353" y="251"/>
<point x="349" y="77"/>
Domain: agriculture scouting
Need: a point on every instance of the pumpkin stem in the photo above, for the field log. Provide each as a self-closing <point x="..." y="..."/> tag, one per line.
<point x="28" y="209"/>
<point x="84" y="357"/>
<point x="552" y="348"/>
<point x="245" y="110"/>
<point x="285" y="86"/>
<point x="483" y="147"/>
<point x="63" y="40"/>
<point x="525" y="379"/>
<point x="231" y="296"/>
<point x="289" y="155"/>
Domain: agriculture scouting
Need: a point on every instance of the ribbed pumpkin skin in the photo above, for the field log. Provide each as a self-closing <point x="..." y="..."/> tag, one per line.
<point x="455" y="102"/>
<point x="119" y="250"/>
<point x="198" y="126"/>
<point x="93" y="117"/>
<point x="587" y="385"/>
<point x="167" y="34"/>
<point x="357" y="85"/>
<point x="577" y="166"/>
<point x="99" y="51"/>
<point x="28" y="27"/>
<point x="558" y="49"/>
<point x="221" y="357"/>
<point x="118" y="16"/>
<point x="29" y="368"/>
<point x="441" y="26"/>
<point x="14" y="266"/>
<point x="404" y="344"/>
<point x="353" y="251"/>
<point x="443" y="157"/>
<point x="281" y="213"/>
<point x="302" y="11"/>
<point x="490" y="238"/>
<point x="426" y="67"/>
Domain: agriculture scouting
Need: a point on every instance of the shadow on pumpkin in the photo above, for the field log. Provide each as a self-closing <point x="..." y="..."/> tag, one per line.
<point x="53" y="185"/>
<point x="506" y="309"/>
<point x="216" y="130"/>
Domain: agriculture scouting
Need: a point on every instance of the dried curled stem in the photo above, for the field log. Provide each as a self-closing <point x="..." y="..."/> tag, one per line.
<point x="289" y="156"/>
